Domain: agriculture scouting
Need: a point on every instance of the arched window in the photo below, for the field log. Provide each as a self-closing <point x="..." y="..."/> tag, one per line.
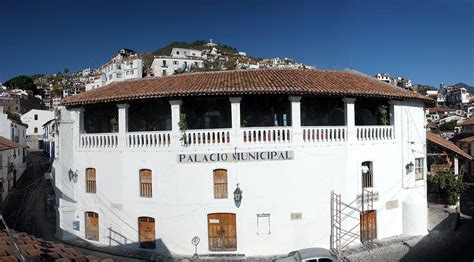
<point x="220" y="183"/>
<point x="145" y="183"/>
<point x="90" y="180"/>
<point x="92" y="226"/>
<point x="146" y="232"/>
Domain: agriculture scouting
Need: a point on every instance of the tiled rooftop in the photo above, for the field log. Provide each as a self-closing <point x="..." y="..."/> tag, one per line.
<point x="7" y="144"/>
<point x="36" y="249"/>
<point x="246" y="82"/>
<point x="447" y="145"/>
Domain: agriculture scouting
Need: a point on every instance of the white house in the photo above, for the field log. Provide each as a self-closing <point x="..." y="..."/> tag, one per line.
<point x="181" y="59"/>
<point x="253" y="162"/>
<point x="49" y="138"/>
<point x="12" y="152"/>
<point x="125" y="64"/>
<point x="35" y="119"/>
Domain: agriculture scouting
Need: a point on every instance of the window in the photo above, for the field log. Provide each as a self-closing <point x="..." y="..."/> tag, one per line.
<point x="36" y="117"/>
<point x="146" y="232"/>
<point x="175" y="62"/>
<point x="419" y="166"/>
<point x="90" y="180"/>
<point x="92" y="226"/>
<point x="177" y="52"/>
<point x="119" y="75"/>
<point x="36" y="130"/>
<point x="367" y="176"/>
<point x="145" y="183"/>
<point x="220" y="183"/>
<point x="164" y="63"/>
<point x="263" y="224"/>
<point x="164" y="72"/>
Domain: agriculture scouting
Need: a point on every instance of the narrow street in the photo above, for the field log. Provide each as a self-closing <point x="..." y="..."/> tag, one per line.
<point x="441" y="244"/>
<point x="26" y="209"/>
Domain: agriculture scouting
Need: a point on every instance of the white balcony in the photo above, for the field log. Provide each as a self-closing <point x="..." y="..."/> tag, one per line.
<point x="148" y="139"/>
<point x="375" y="133"/>
<point x="206" y="137"/>
<point x="266" y="135"/>
<point x="324" y="134"/>
<point x="103" y="140"/>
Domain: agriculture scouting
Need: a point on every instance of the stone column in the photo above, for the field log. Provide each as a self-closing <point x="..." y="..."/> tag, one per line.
<point x="235" y="115"/>
<point x="175" y="118"/>
<point x="349" y="115"/>
<point x="78" y="127"/>
<point x="296" y="119"/>
<point x="122" y="125"/>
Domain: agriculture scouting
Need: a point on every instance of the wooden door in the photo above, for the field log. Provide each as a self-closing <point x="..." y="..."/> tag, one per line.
<point x="92" y="226"/>
<point x="368" y="225"/>
<point x="222" y="232"/>
<point x="146" y="227"/>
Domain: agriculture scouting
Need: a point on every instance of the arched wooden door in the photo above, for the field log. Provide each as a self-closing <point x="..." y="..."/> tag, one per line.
<point x="222" y="232"/>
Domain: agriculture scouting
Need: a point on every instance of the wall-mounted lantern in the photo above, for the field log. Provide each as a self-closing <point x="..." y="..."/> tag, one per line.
<point x="237" y="196"/>
<point x="72" y="175"/>
<point x="410" y="167"/>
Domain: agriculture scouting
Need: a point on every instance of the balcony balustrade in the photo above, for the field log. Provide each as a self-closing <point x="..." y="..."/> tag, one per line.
<point x="324" y="134"/>
<point x="206" y="137"/>
<point x="375" y="133"/>
<point x="149" y="139"/>
<point x="266" y="135"/>
<point x="103" y="140"/>
<point x="244" y="136"/>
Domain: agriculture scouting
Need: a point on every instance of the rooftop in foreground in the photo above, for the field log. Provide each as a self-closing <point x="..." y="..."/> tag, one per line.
<point x="247" y="82"/>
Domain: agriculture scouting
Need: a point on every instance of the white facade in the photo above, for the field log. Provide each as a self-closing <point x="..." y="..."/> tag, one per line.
<point x="35" y="119"/>
<point x="12" y="161"/>
<point x="294" y="192"/>
<point x="95" y="81"/>
<point x="165" y="65"/>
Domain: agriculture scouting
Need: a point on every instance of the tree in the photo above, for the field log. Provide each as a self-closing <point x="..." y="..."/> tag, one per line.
<point x="66" y="71"/>
<point x="22" y="82"/>
<point x="448" y="126"/>
<point x="452" y="184"/>
<point x="147" y="61"/>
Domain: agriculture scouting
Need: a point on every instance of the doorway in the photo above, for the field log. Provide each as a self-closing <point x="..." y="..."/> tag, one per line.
<point x="222" y="232"/>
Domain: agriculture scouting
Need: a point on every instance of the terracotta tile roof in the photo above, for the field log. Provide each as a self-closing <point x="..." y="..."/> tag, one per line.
<point x="37" y="249"/>
<point x="244" y="82"/>
<point x="446" y="144"/>
<point x="18" y="122"/>
<point x="7" y="144"/>
<point x="468" y="122"/>
<point x="468" y="139"/>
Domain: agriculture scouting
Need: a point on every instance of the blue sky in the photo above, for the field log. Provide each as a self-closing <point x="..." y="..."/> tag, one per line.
<point x="427" y="41"/>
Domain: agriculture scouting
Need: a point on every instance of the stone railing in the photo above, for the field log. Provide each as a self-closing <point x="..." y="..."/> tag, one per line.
<point x="230" y="137"/>
<point x="102" y="140"/>
<point x="324" y="134"/>
<point x="148" y="139"/>
<point x="375" y="133"/>
<point x="266" y="135"/>
<point x="206" y="137"/>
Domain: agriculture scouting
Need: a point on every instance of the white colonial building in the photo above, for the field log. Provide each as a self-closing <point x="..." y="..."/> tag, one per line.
<point x="12" y="152"/>
<point x="35" y="119"/>
<point x="253" y="162"/>
<point x="181" y="59"/>
<point x="125" y="64"/>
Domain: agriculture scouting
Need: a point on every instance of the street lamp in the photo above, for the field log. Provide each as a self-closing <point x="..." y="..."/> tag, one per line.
<point x="410" y="167"/>
<point x="237" y="196"/>
<point x="72" y="175"/>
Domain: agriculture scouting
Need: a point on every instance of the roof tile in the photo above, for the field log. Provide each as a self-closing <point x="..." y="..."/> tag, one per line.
<point x="245" y="82"/>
